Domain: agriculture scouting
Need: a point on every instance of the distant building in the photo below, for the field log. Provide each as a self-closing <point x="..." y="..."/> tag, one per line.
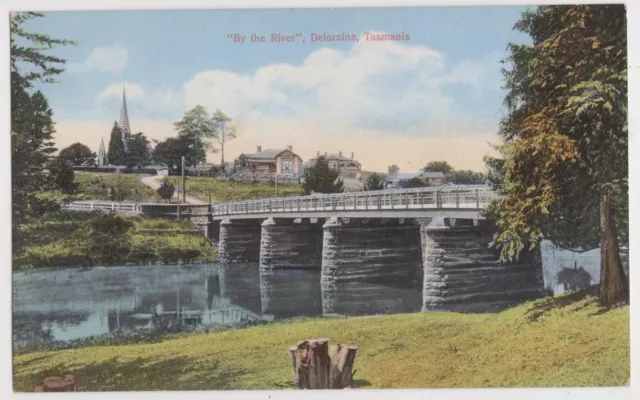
<point x="123" y="123"/>
<point x="348" y="166"/>
<point x="395" y="179"/>
<point x="270" y="161"/>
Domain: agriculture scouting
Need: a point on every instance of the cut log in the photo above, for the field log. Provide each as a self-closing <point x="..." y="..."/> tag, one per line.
<point x="342" y="358"/>
<point x="65" y="383"/>
<point x="311" y="363"/>
<point x="314" y="368"/>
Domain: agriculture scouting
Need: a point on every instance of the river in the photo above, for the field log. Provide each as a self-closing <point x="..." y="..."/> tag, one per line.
<point x="66" y="305"/>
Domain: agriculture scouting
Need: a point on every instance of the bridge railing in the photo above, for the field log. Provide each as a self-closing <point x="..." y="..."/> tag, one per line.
<point x="459" y="197"/>
<point x="89" y="205"/>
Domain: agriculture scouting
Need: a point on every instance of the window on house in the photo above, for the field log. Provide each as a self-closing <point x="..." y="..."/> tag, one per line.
<point x="286" y="166"/>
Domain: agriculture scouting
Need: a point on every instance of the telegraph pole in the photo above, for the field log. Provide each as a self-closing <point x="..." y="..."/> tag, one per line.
<point x="183" y="189"/>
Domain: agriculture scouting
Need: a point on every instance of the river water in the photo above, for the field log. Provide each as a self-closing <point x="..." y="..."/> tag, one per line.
<point x="70" y="304"/>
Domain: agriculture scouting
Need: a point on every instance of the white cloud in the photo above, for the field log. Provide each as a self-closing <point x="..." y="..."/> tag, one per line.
<point x="388" y="102"/>
<point x="103" y="59"/>
<point x="389" y="80"/>
<point x="134" y="91"/>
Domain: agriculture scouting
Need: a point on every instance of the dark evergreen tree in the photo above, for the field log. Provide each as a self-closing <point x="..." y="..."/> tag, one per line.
<point x="63" y="175"/>
<point x="116" y="152"/>
<point x="31" y="118"/>
<point x="138" y="151"/>
<point x="320" y="178"/>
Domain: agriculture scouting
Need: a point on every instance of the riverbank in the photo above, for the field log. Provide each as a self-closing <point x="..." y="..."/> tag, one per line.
<point x="85" y="239"/>
<point x="566" y="341"/>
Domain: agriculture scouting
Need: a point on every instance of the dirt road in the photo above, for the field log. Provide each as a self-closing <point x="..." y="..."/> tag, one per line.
<point x="154" y="181"/>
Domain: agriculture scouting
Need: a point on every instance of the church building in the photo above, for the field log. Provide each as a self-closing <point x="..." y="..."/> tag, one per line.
<point x="125" y="127"/>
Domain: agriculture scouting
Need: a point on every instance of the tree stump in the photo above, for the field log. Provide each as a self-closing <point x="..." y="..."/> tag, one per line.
<point x="315" y="369"/>
<point x="342" y="358"/>
<point x="65" y="383"/>
<point x="311" y="363"/>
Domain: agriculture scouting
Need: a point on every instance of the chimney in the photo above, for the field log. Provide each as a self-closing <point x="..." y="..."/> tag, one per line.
<point x="259" y="149"/>
<point x="325" y="153"/>
<point x="290" y="148"/>
<point x="340" y="153"/>
<point x="318" y="154"/>
<point x="352" y="155"/>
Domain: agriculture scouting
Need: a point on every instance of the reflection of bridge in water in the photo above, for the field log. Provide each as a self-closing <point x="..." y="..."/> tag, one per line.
<point x="371" y="249"/>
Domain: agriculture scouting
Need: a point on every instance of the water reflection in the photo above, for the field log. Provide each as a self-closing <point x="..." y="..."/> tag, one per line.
<point x="66" y="305"/>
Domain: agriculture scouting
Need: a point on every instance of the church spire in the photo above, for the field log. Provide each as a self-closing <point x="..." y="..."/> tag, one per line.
<point x="124" y="117"/>
<point x="102" y="154"/>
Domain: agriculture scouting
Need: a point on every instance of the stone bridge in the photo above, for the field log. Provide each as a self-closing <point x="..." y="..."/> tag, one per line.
<point x="431" y="239"/>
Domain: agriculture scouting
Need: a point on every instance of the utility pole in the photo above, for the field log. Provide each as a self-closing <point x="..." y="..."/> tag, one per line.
<point x="276" y="185"/>
<point x="183" y="188"/>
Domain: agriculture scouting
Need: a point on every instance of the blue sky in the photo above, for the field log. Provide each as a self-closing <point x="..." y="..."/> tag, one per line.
<point x="445" y="82"/>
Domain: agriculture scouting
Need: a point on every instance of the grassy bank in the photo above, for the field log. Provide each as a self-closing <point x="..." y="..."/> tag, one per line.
<point x="563" y="341"/>
<point x="89" y="239"/>
<point x="95" y="186"/>
<point x="224" y="191"/>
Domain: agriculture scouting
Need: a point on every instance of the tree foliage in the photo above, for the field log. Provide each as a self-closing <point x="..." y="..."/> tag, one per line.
<point x="116" y="152"/>
<point x="565" y="136"/>
<point x="195" y="129"/>
<point x="467" y="177"/>
<point x="138" y="154"/>
<point x="438" y="166"/>
<point x="415" y="182"/>
<point x="224" y="131"/>
<point x="170" y="152"/>
<point x="166" y="191"/>
<point x="62" y="173"/>
<point x="32" y="125"/>
<point x="320" y="178"/>
<point x="374" y="182"/>
<point x="78" y="154"/>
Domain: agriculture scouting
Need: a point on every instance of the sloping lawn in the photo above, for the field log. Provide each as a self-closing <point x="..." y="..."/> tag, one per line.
<point x="225" y="191"/>
<point x="95" y="186"/>
<point x="89" y="239"/>
<point x="563" y="341"/>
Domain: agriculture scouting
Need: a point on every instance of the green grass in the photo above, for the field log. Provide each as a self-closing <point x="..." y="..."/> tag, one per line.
<point x="95" y="186"/>
<point x="225" y="191"/>
<point x="564" y="341"/>
<point x="72" y="239"/>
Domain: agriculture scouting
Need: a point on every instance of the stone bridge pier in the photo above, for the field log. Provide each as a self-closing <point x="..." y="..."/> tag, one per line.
<point x="362" y="258"/>
<point x="239" y="240"/>
<point x="462" y="274"/>
<point x="291" y="243"/>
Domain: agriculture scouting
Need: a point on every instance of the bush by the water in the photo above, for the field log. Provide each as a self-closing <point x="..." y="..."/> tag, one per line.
<point x="89" y="239"/>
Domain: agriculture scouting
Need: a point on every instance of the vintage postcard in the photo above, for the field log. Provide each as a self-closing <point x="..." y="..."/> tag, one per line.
<point x="286" y="199"/>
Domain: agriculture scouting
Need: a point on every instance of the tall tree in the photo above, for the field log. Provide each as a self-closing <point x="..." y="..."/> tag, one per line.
<point x="116" y="152"/>
<point x="320" y="178"/>
<point x="138" y="154"/>
<point x="563" y="172"/>
<point x="224" y="131"/>
<point x="32" y="125"/>
<point x="438" y="166"/>
<point x="374" y="182"/>
<point x="78" y="154"/>
<point x="196" y="128"/>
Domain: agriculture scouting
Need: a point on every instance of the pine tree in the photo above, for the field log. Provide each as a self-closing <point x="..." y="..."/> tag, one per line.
<point x="116" y="152"/>
<point x="31" y="118"/>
